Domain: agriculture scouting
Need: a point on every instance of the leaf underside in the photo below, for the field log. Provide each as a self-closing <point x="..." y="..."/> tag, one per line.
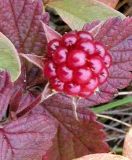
<point x="9" y="59"/>
<point x="77" y="12"/>
<point x="111" y="3"/>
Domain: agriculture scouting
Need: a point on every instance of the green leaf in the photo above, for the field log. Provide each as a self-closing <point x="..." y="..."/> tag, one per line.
<point x="9" y="59"/>
<point x="112" y="105"/>
<point x="76" y="13"/>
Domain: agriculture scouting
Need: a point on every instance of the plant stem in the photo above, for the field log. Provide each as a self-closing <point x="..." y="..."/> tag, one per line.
<point x="124" y="93"/>
<point x="113" y="119"/>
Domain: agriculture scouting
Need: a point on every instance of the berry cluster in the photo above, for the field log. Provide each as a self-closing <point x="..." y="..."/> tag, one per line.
<point x="76" y="64"/>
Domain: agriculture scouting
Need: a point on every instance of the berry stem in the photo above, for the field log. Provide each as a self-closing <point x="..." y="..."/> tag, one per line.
<point x="45" y="94"/>
<point x="74" y="102"/>
<point x="48" y="96"/>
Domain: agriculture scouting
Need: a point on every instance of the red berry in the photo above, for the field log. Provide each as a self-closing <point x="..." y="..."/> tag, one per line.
<point x="49" y="69"/>
<point x="100" y="49"/>
<point x="64" y="73"/>
<point x="57" y="84"/>
<point x="69" y="39"/>
<point x="107" y="60"/>
<point x="93" y="83"/>
<point x="88" y="46"/>
<point x="103" y="76"/>
<point x="52" y="46"/>
<point x="88" y="89"/>
<point x="85" y="92"/>
<point x="72" y="89"/>
<point x="96" y="64"/>
<point x="76" y="58"/>
<point x="82" y="75"/>
<point x="60" y="55"/>
<point x="85" y="35"/>
<point x="77" y="65"/>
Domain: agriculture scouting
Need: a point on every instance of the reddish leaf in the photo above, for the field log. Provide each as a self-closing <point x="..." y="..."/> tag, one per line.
<point x="127" y="149"/>
<point x="29" y="136"/>
<point x="29" y="108"/>
<point x="5" y="92"/>
<point x="26" y="138"/>
<point x="116" y="35"/>
<point x="20" y="22"/>
<point x="74" y="138"/>
<point x="22" y="103"/>
<point x="15" y="100"/>
<point x="114" y="32"/>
